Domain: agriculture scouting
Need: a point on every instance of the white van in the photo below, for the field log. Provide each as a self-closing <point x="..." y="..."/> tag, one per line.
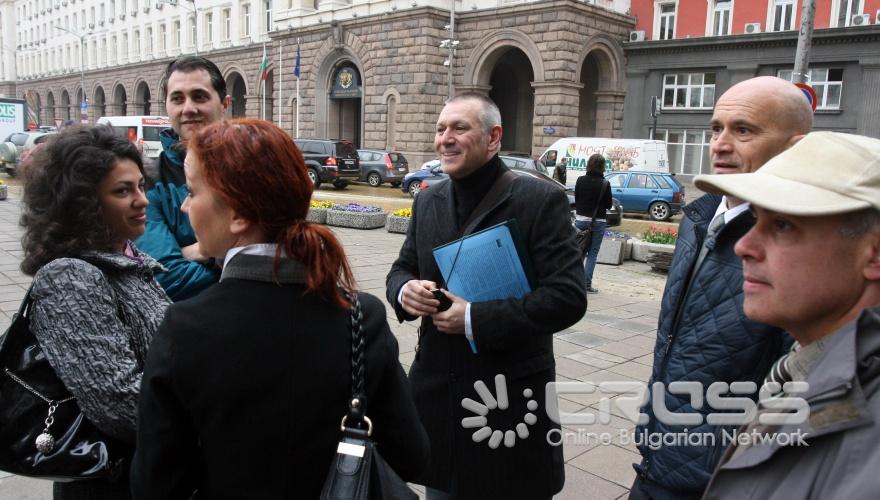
<point x="141" y="130"/>
<point x="620" y="155"/>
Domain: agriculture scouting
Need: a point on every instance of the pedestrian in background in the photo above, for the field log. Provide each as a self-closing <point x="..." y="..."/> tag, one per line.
<point x="592" y="198"/>
<point x="246" y="383"/>
<point x="560" y="173"/>
<point x="95" y="304"/>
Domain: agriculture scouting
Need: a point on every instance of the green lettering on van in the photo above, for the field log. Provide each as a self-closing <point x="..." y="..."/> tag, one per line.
<point x="7" y="110"/>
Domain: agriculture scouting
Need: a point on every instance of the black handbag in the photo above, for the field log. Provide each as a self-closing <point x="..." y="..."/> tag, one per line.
<point x="358" y="472"/>
<point x="43" y="433"/>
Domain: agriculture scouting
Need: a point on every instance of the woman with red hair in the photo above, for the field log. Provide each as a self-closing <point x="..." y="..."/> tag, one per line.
<point x="246" y="383"/>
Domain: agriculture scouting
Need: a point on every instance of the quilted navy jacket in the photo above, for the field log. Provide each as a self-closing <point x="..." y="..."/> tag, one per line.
<point x="704" y="336"/>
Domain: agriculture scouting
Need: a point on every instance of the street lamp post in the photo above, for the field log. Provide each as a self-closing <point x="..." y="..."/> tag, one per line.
<point x="84" y="104"/>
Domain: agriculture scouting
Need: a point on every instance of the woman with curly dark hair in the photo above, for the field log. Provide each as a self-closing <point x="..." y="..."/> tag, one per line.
<point x="95" y="305"/>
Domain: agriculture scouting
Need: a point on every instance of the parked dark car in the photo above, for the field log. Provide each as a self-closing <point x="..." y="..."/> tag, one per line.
<point x="658" y="194"/>
<point x="330" y="160"/>
<point x="524" y="163"/>
<point x="382" y="166"/>
<point x="612" y="215"/>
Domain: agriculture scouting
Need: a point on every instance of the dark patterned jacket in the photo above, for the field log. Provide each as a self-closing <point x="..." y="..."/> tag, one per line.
<point x="94" y="317"/>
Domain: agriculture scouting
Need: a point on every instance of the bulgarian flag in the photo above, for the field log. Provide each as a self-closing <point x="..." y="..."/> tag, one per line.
<point x="264" y="66"/>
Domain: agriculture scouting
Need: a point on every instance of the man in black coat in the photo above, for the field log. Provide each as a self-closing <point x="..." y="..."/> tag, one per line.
<point x="512" y="339"/>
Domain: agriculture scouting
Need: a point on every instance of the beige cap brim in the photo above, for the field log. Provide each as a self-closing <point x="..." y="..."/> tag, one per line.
<point x="780" y="195"/>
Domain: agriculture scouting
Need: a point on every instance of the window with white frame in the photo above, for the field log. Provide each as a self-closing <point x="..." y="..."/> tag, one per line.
<point x="124" y="54"/>
<point x="782" y="14"/>
<point x="176" y="40"/>
<point x="826" y="82"/>
<point x="112" y="50"/>
<point x="227" y="24"/>
<point x="136" y="49"/>
<point x="246" y="19"/>
<point x="148" y="41"/>
<point x="689" y="91"/>
<point x="209" y="27"/>
<point x="267" y="5"/>
<point x="192" y="30"/>
<point x="162" y="35"/>
<point x="721" y="15"/>
<point x="688" y="150"/>
<point x="845" y="10"/>
<point x="664" y="27"/>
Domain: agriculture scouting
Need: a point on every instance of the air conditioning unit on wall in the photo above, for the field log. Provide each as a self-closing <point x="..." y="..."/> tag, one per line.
<point x="637" y="36"/>
<point x="860" y="20"/>
<point x="753" y="28"/>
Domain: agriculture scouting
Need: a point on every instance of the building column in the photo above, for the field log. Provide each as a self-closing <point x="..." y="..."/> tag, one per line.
<point x="870" y="100"/>
<point x="556" y="105"/>
<point x="609" y="113"/>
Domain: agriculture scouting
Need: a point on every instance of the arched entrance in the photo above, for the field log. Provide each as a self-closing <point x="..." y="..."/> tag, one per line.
<point x="50" y="108"/>
<point x="120" y="104"/>
<point x="587" y="111"/>
<point x="65" y="105"/>
<point x="511" y="83"/>
<point x="344" y="107"/>
<point x="100" y="103"/>
<point x="236" y="88"/>
<point x="142" y="99"/>
<point x="602" y="92"/>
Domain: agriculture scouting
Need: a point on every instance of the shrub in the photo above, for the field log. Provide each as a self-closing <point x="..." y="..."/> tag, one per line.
<point x="354" y="207"/>
<point x="656" y="234"/>
<point x="402" y="212"/>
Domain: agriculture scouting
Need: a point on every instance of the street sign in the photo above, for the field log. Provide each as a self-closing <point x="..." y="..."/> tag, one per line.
<point x="809" y="93"/>
<point x="549" y="130"/>
<point x="84" y="111"/>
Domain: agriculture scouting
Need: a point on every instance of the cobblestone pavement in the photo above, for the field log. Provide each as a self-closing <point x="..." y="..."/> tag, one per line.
<point x="613" y="342"/>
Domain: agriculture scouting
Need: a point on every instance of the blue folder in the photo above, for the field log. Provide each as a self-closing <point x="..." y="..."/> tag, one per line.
<point x="491" y="264"/>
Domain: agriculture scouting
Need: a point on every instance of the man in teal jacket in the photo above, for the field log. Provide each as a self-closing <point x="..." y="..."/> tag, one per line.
<point x="195" y="97"/>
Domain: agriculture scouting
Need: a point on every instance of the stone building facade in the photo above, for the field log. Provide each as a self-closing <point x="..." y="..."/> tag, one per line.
<point x="556" y="69"/>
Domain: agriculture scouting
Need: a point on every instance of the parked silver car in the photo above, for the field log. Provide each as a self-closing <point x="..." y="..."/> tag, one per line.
<point x="14" y="146"/>
<point x="382" y="166"/>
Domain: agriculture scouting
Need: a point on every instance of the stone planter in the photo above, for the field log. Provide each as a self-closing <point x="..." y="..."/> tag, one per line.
<point x="4" y="191"/>
<point x="397" y="224"/>
<point x="357" y="220"/>
<point x="641" y="249"/>
<point x="317" y="215"/>
<point x="612" y="251"/>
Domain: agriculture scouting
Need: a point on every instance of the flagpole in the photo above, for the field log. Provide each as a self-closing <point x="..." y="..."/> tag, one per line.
<point x="297" y="91"/>
<point x="280" y="79"/>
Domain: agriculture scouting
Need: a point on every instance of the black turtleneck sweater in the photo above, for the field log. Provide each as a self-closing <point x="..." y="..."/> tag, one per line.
<point x="468" y="191"/>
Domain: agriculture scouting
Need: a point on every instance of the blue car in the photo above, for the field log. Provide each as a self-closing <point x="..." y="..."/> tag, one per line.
<point x="412" y="182"/>
<point x="658" y="194"/>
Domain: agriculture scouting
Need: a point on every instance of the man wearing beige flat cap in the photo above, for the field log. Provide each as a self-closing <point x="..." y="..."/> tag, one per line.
<point x="811" y="266"/>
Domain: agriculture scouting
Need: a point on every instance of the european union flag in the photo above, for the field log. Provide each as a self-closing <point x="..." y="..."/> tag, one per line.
<point x="296" y="66"/>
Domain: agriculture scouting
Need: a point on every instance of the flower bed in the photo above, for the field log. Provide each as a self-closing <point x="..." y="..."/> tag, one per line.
<point x="398" y="221"/>
<point x="318" y="211"/>
<point x="356" y="216"/>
